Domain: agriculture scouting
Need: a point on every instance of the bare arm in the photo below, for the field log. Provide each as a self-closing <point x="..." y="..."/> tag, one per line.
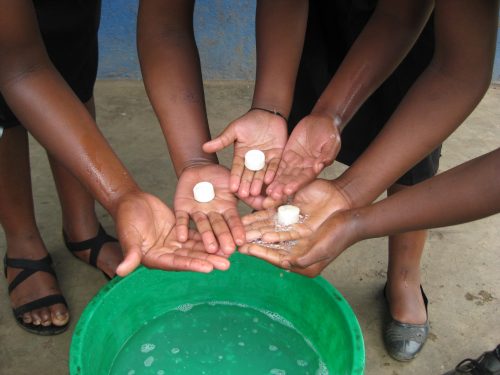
<point x="315" y="142"/>
<point x="386" y="39"/>
<point x="49" y="109"/>
<point x="465" y="193"/>
<point x="171" y="69"/>
<point x="280" y="31"/>
<point x="439" y="101"/>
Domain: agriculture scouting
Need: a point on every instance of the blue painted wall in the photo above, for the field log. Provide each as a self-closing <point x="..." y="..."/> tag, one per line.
<point x="224" y="33"/>
<point x="224" y="30"/>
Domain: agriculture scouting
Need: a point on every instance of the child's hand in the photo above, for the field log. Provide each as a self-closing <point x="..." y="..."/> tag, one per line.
<point x="218" y="221"/>
<point x="312" y="146"/>
<point x="144" y="226"/>
<point x="256" y="130"/>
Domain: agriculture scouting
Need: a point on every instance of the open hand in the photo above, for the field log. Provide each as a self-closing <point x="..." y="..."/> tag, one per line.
<point x="144" y="226"/>
<point x="256" y="130"/>
<point x="312" y="146"/>
<point x="218" y="221"/>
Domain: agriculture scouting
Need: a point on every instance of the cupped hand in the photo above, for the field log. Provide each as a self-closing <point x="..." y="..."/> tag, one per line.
<point x="312" y="146"/>
<point x="256" y="130"/>
<point x="314" y="250"/>
<point x="218" y="221"/>
<point x="145" y="228"/>
<point x="317" y="201"/>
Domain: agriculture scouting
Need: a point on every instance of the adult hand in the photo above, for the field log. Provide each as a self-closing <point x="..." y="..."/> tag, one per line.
<point x="218" y="221"/>
<point x="312" y="146"/>
<point x="256" y="130"/>
<point x="317" y="201"/>
<point x="144" y="227"/>
<point x="316" y="249"/>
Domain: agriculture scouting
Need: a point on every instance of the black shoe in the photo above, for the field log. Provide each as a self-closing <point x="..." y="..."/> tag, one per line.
<point x="403" y="341"/>
<point x="487" y="364"/>
<point x="93" y="244"/>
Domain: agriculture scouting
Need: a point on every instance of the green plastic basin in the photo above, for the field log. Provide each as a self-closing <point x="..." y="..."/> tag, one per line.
<point x="126" y="306"/>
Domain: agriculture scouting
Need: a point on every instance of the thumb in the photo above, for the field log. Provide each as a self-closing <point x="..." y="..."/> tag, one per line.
<point x="131" y="261"/>
<point x="225" y="139"/>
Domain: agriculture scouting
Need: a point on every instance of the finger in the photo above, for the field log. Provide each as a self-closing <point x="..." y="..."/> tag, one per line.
<point x="273" y="236"/>
<point x="236" y="226"/>
<point x="277" y="192"/>
<point x="271" y="171"/>
<point x="194" y="235"/>
<point x="270" y="202"/>
<point x="273" y="256"/>
<point x="218" y="262"/>
<point x="205" y="229"/>
<point x="181" y="225"/>
<point x="257" y="216"/>
<point x="222" y="232"/>
<point x="294" y="186"/>
<point x="254" y="202"/>
<point x="257" y="232"/>
<point x="236" y="172"/>
<point x="131" y="261"/>
<point x="226" y="138"/>
<point x="175" y="262"/>
<point x="256" y="186"/>
<point x="246" y="181"/>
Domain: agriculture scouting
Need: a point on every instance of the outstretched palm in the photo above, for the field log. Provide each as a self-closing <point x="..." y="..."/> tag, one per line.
<point x="144" y="226"/>
<point x="256" y="130"/>
<point x="218" y="221"/>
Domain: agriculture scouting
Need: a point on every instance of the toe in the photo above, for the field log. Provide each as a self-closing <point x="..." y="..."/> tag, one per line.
<point x="45" y="316"/>
<point x="36" y="317"/>
<point x="59" y="314"/>
<point x="27" y="319"/>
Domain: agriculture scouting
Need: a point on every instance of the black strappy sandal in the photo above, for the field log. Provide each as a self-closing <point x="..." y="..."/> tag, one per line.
<point x="94" y="244"/>
<point x="30" y="267"/>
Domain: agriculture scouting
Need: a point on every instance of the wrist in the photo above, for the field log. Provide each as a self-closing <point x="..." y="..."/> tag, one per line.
<point x="272" y="111"/>
<point x="333" y="115"/>
<point x="119" y="197"/>
<point x="273" y="105"/>
<point x="357" y="219"/>
<point x="197" y="162"/>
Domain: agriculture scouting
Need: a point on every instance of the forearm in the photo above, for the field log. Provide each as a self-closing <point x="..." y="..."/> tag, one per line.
<point x="386" y="39"/>
<point x="465" y="193"/>
<point x="47" y="107"/>
<point x="280" y="30"/>
<point x="439" y="101"/>
<point x="171" y="70"/>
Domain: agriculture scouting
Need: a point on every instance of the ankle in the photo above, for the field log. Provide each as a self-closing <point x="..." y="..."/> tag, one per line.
<point x="25" y="246"/>
<point x="81" y="230"/>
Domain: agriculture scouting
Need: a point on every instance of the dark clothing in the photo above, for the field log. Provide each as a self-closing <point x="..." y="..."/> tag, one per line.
<point x="69" y="30"/>
<point x="332" y="28"/>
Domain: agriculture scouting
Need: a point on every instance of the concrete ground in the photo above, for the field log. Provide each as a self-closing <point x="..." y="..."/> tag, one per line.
<point x="460" y="267"/>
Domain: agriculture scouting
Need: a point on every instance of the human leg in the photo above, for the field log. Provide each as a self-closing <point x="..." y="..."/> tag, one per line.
<point x="23" y="238"/>
<point x="407" y="330"/>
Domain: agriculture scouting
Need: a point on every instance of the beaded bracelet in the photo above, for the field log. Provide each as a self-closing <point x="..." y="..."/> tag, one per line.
<point x="273" y="111"/>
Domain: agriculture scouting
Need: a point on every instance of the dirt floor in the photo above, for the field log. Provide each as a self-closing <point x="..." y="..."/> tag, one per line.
<point x="460" y="267"/>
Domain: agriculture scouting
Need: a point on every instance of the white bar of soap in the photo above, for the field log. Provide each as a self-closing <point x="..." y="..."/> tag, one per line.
<point x="203" y="192"/>
<point x="255" y="160"/>
<point x="288" y="214"/>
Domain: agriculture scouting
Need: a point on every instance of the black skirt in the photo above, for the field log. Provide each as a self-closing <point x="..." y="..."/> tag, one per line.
<point x="69" y="30"/>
